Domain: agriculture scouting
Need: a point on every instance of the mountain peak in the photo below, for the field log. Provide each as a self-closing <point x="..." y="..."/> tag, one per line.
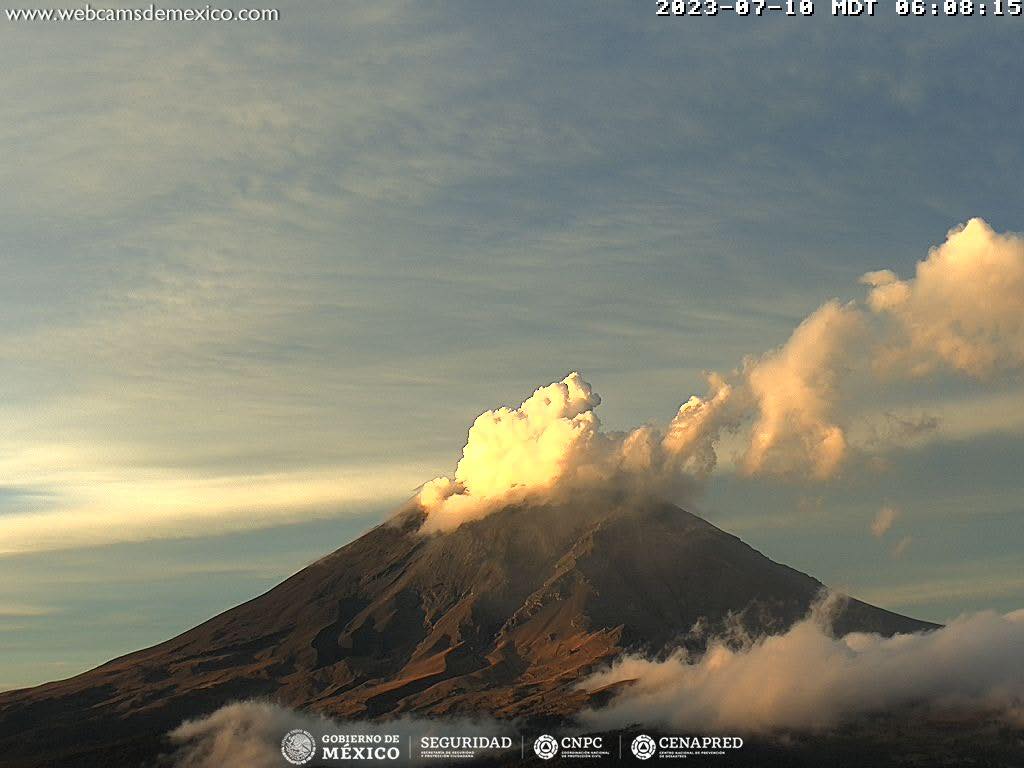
<point x="503" y="615"/>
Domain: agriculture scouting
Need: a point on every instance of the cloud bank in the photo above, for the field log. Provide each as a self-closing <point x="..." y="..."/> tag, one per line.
<point x="806" y="679"/>
<point x="249" y="733"/>
<point x="803" y="680"/>
<point x="961" y="314"/>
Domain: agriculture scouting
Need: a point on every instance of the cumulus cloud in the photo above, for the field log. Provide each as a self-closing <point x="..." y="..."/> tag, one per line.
<point x="249" y="733"/>
<point x="807" y="679"/>
<point x="883" y="521"/>
<point x="963" y="308"/>
<point x="961" y="313"/>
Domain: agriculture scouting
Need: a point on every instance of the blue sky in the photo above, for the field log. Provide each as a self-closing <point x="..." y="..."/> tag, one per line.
<point x="258" y="280"/>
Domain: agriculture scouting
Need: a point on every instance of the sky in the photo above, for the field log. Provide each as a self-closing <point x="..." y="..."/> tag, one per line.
<point x="258" y="280"/>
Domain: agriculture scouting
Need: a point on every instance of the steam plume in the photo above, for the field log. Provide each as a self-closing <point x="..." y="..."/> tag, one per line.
<point x="796" y="391"/>
<point x="962" y="310"/>
<point x="555" y="438"/>
<point x="961" y="313"/>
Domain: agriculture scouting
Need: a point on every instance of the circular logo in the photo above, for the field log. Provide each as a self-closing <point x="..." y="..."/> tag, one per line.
<point x="546" y="747"/>
<point x="643" y="747"/>
<point x="298" y="746"/>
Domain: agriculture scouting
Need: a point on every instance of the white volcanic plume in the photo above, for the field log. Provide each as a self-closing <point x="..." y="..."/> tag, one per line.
<point x="796" y="391"/>
<point x="963" y="313"/>
<point x="964" y="310"/>
<point x="555" y="438"/>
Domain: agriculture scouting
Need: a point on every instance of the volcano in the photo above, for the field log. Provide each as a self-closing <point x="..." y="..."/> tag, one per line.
<point x="503" y="616"/>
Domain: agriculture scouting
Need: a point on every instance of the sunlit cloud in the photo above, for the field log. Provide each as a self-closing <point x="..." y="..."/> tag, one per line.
<point x="554" y="442"/>
<point x="791" y="406"/>
<point x="962" y="309"/>
<point x="808" y="679"/>
<point x="109" y="506"/>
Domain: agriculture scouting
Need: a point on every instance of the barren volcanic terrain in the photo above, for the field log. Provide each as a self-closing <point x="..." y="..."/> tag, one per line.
<point x="503" y="615"/>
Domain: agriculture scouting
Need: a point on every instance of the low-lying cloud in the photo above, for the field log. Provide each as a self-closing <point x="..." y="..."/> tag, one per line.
<point x="807" y="679"/>
<point x="960" y="314"/>
<point x="249" y="733"/>
<point x="803" y="680"/>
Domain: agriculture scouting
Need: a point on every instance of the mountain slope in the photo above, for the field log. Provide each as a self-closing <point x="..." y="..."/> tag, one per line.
<point x="503" y="615"/>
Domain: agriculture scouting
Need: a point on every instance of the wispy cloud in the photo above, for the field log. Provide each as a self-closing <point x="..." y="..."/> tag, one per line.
<point x="900" y="547"/>
<point x="22" y="610"/>
<point x="111" y="506"/>
<point x="883" y="521"/>
<point x="987" y="582"/>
